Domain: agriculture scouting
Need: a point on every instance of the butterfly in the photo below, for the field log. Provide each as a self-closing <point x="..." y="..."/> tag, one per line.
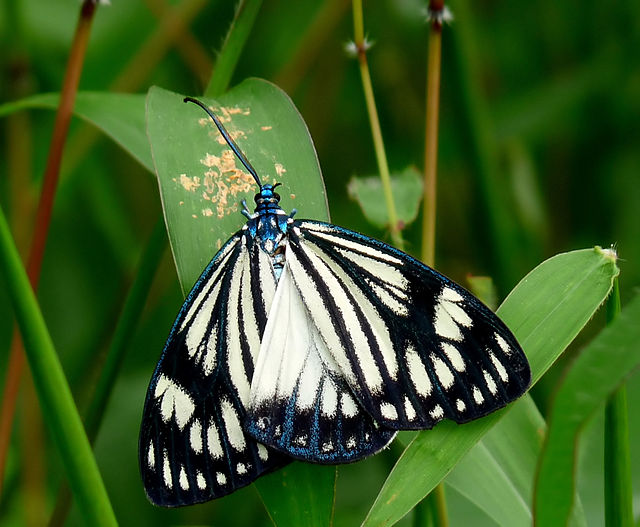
<point x="305" y="340"/>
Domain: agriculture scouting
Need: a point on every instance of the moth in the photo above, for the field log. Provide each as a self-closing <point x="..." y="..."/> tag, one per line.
<point x="305" y="340"/>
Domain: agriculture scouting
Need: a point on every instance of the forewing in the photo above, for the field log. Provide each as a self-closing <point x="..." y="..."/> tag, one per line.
<point x="300" y="403"/>
<point x="413" y="346"/>
<point x="192" y="445"/>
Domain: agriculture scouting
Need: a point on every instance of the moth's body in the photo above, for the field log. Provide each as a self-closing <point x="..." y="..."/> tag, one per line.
<point x="267" y="226"/>
<point x="306" y="340"/>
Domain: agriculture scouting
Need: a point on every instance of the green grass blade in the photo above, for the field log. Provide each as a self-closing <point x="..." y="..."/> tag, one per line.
<point x="118" y="115"/>
<point x="246" y="13"/>
<point x="58" y="408"/>
<point x="597" y="372"/>
<point x="201" y="205"/>
<point x="618" y="489"/>
<point x="299" y="494"/>
<point x="546" y="310"/>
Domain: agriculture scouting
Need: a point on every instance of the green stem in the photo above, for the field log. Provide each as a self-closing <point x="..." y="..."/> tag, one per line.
<point x="617" y="462"/>
<point x="376" y="131"/>
<point x="239" y="31"/>
<point x="56" y="401"/>
<point x="431" y="140"/>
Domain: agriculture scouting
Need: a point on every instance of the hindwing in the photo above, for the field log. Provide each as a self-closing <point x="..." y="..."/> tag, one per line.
<point x="300" y="402"/>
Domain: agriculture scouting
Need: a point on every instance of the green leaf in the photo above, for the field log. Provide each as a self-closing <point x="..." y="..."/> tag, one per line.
<point x="202" y="204"/>
<point x="202" y="209"/>
<point x="299" y="494"/>
<point x="58" y="407"/>
<point x="407" y="194"/>
<point x="119" y="115"/>
<point x="545" y="311"/>
<point x="597" y="372"/>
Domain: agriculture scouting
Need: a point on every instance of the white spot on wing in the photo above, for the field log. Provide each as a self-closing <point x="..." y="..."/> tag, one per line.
<point x="221" y="478"/>
<point x="451" y="295"/>
<point x="454" y="356"/>
<point x="444" y="374"/>
<point x="213" y="441"/>
<point x="329" y="398"/>
<point x="477" y="395"/>
<point x="417" y="372"/>
<point x="351" y="442"/>
<point x="348" y="405"/>
<point x="460" y="405"/>
<point x="195" y="437"/>
<point x="444" y="324"/>
<point x="491" y="384"/>
<point x="200" y="481"/>
<point x="151" y="456"/>
<point x="166" y="470"/>
<point x="388" y="411"/>
<point x="499" y="367"/>
<point x="241" y="469"/>
<point x="263" y="453"/>
<point x="437" y="412"/>
<point x="184" y="482"/>
<point x="235" y="435"/>
<point x="174" y="401"/>
<point x="409" y="410"/>
<point x="503" y="344"/>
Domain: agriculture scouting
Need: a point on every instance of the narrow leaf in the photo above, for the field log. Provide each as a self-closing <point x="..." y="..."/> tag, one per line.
<point x="597" y="372"/>
<point x="118" y="115"/>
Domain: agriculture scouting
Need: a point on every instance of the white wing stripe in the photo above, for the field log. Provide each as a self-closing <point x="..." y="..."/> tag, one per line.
<point x="234" y="351"/>
<point x="360" y="343"/>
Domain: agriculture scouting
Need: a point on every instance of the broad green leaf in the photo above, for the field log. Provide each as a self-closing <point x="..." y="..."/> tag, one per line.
<point x="119" y="115"/>
<point x="299" y="494"/>
<point x="201" y="183"/>
<point x="597" y="372"/>
<point x="545" y="311"/>
<point x="407" y="194"/>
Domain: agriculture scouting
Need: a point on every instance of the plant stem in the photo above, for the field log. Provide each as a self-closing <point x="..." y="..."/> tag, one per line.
<point x="239" y="31"/>
<point x="56" y="401"/>
<point x="45" y="207"/>
<point x="374" y="121"/>
<point x="437" y="498"/>
<point x="431" y="136"/>
<point x="617" y="461"/>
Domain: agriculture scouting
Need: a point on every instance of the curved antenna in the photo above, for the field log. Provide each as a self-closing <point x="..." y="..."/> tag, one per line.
<point x="227" y="138"/>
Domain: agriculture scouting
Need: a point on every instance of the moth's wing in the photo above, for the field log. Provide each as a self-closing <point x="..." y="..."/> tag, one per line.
<point x="413" y="346"/>
<point x="300" y="403"/>
<point x="192" y="446"/>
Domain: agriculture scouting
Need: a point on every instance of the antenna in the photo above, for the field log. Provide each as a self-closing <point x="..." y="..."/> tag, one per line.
<point x="227" y="138"/>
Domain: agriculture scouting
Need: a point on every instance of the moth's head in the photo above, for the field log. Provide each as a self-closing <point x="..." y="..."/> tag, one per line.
<point x="267" y="195"/>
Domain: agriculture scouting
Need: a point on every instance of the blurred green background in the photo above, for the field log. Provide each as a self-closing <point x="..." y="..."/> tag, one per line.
<point x="542" y="98"/>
